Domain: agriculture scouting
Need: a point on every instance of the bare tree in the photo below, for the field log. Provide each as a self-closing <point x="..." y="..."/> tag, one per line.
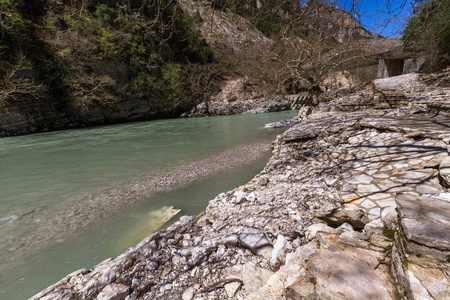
<point x="314" y="46"/>
<point x="319" y="45"/>
<point x="202" y="81"/>
<point x="18" y="82"/>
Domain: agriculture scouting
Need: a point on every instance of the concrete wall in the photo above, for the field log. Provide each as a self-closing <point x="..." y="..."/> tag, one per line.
<point x="394" y="67"/>
<point x="390" y="67"/>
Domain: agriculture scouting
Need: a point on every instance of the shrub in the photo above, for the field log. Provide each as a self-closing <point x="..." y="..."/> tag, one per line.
<point x="105" y="14"/>
<point x="107" y="43"/>
<point x="174" y="83"/>
<point x="13" y="25"/>
<point x="428" y="30"/>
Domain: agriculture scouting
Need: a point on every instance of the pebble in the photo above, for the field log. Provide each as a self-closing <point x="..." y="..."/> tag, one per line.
<point x="188" y="294"/>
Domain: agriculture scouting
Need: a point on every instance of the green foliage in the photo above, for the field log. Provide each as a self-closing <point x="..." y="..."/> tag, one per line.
<point x="95" y="50"/>
<point x="105" y="14"/>
<point x="405" y="264"/>
<point x="11" y="19"/>
<point x="267" y="17"/>
<point x="428" y="31"/>
<point x="174" y="83"/>
<point x="13" y="25"/>
<point x="389" y="234"/>
<point x="69" y="20"/>
<point x="107" y="43"/>
<point x="143" y="81"/>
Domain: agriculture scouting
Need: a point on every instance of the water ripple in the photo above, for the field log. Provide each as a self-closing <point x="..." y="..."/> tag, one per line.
<point x="8" y="220"/>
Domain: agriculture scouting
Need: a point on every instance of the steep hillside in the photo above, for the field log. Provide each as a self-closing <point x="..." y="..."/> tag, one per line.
<point x="307" y="17"/>
<point x="297" y="36"/>
<point x="78" y="63"/>
<point x="82" y="63"/>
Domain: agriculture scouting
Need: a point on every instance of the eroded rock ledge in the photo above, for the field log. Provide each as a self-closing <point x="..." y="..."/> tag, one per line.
<point x="251" y="106"/>
<point x="352" y="205"/>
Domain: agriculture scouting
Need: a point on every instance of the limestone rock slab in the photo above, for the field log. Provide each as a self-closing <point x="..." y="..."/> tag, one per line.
<point x="348" y="274"/>
<point x="433" y="280"/>
<point x="301" y="133"/>
<point x="425" y="220"/>
<point x="255" y="277"/>
<point x="444" y="171"/>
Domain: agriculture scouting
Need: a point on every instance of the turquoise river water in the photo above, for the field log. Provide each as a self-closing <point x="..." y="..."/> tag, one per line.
<point x="54" y="218"/>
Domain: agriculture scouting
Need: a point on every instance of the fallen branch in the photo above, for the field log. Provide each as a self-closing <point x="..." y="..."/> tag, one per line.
<point x="384" y="260"/>
<point x="217" y="284"/>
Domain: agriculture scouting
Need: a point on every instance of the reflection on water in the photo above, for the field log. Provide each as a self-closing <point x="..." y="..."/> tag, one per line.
<point x="39" y="173"/>
<point x="149" y="222"/>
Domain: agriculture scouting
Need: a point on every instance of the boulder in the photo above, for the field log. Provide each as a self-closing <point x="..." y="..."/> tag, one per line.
<point x="255" y="239"/>
<point x="357" y="218"/>
<point x="347" y="273"/>
<point x="425" y="225"/>
<point x="113" y="291"/>
<point x="255" y="277"/>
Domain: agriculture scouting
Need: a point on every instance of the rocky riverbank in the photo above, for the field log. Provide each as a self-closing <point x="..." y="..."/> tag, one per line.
<point x="43" y="228"/>
<point x="353" y="204"/>
<point x="251" y="106"/>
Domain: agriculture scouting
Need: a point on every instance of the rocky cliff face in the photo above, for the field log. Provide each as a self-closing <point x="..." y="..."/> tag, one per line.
<point x="42" y="115"/>
<point x="223" y="28"/>
<point x="72" y="64"/>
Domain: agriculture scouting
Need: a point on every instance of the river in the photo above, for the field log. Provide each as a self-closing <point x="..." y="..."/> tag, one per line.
<point x="71" y="199"/>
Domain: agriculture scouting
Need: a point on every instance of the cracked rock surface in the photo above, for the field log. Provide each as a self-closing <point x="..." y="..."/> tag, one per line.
<point x="352" y="205"/>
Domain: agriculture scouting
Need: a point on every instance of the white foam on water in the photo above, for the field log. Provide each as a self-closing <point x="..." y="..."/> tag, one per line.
<point x="8" y="220"/>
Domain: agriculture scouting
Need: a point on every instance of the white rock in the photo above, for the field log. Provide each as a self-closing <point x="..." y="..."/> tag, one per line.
<point x="374" y="226"/>
<point x="312" y="230"/>
<point x="251" y="197"/>
<point x="386" y="168"/>
<point x="240" y="197"/>
<point x="279" y="248"/>
<point x="360" y="179"/>
<point x="232" y="288"/>
<point x="255" y="277"/>
<point x="367" y="188"/>
<point x="113" y="291"/>
<point x="417" y="289"/>
<point x="389" y="217"/>
<point x="329" y="180"/>
<point x="345" y="227"/>
<point x="188" y="294"/>
<point x="374" y="213"/>
<point x="368" y="204"/>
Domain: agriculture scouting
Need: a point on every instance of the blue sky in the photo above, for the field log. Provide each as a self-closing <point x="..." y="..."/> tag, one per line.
<point x="384" y="17"/>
